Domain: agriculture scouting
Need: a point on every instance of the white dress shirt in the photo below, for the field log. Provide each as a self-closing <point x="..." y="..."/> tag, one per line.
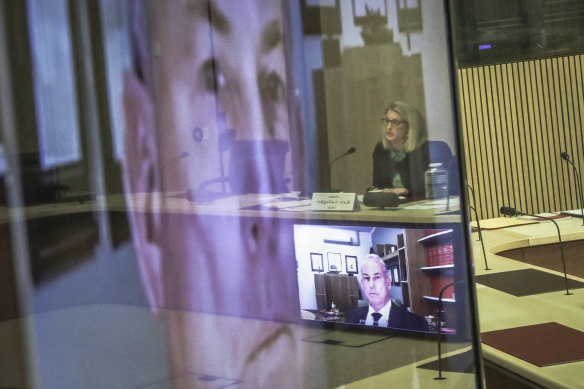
<point x="384" y="315"/>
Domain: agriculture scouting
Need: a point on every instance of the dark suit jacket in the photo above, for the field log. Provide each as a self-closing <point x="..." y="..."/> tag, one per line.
<point x="399" y="317"/>
<point x="411" y="169"/>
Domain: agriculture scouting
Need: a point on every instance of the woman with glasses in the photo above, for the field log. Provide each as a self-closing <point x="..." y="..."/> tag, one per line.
<point x="400" y="159"/>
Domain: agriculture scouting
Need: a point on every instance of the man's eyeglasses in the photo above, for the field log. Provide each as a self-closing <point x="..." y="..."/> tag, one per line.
<point x="393" y="122"/>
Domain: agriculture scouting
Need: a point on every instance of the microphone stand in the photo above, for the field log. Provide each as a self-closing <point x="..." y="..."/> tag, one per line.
<point x="567" y="158"/>
<point x="480" y="236"/>
<point x="474" y="200"/>
<point x="439" y="319"/>
<point x="513" y="212"/>
<point x="350" y="151"/>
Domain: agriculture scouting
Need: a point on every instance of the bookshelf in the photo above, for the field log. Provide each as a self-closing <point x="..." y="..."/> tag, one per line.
<point x="431" y="267"/>
<point x="397" y="266"/>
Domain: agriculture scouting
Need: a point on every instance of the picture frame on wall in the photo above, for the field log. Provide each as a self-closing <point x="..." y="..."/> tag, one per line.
<point x="321" y="17"/>
<point x="334" y="262"/>
<point x="369" y="11"/>
<point x="351" y="264"/>
<point x="395" y="279"/>
<point x="316" y="262"/>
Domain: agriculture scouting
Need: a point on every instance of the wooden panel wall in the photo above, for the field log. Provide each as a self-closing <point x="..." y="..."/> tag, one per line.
<point x="516" y="119"/>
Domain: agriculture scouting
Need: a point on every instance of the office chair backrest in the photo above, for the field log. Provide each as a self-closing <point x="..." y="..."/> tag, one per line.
<point x="439" y="152"/>
<point x="257" y="166"/>
<point x="453" y="177"/>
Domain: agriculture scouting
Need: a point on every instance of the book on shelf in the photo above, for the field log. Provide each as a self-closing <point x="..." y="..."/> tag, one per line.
<point x="437" y="283"/>
<point x="432" y="232"/>
<point x="441" y="255"/>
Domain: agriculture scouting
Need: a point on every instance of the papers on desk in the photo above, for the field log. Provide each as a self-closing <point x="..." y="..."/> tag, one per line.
<point x="291" y="202"/>
<point x="439" y="204"/>
<point x="288" y="205"/>
<point x="501" y="222"/>
<point x="575" y="213"/>
<point x="544" y="217"/>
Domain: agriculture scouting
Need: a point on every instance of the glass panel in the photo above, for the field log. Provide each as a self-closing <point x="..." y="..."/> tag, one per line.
<point x="55" y="94"/>
<point x="291" y="183"/>
<point x="2" y="160"/>
<point x="114" y="18"/>
<point x="490" y="32"/>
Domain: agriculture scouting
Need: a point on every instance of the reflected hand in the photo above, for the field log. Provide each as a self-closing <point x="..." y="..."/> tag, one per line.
<point x="397" y="191"/>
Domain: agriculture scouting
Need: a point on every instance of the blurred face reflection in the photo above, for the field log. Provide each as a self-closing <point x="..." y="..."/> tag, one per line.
<point x="233" y="66"/>
<point x="220" y="66"/>
<point x="216" y="65"/>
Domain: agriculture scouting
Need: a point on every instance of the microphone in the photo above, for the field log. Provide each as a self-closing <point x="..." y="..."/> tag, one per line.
<point x="474" y="200"/>
<point x="171" y="161"/>
<point x="566" y="157"/>
<point x="480" y="236"/>
<point x="380" y="199"/>
<point x="439" y="328"/>
<point x="351" y="150"/>
<point x="509" y="211"/>
<point x="178" y="157"/>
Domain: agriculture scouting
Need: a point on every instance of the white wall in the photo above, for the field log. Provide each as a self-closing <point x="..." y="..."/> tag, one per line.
<point x="430" y="43"/>
<point x="309" y="239"/>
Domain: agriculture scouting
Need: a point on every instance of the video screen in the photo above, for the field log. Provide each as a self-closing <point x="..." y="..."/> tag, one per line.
<point x="398" y="278"/>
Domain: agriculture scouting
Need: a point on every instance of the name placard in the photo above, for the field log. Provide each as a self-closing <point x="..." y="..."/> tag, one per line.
<point x="334" y="202"/>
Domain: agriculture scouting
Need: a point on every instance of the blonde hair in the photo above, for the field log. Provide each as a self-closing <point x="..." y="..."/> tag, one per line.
<point x="417" y="132"/>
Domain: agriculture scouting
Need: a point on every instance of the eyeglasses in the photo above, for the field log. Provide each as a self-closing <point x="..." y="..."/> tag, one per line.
<point x="393" y="122"/>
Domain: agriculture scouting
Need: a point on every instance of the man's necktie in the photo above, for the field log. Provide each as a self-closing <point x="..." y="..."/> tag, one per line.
<point x="376" y="317"/>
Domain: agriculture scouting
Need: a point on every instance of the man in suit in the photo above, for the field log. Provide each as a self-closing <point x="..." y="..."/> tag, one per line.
<point x="381" y="312"/>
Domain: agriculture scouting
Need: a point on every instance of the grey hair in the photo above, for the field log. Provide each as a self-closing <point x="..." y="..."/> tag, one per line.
<point x="377" y="258"/>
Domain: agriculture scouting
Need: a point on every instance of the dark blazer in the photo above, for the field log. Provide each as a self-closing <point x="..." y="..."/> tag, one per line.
<point x="399" y="317"/>
<point x="411" y="169"/>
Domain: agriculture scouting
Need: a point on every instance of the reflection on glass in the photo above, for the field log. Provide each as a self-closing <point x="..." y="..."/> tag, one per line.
<point x="118" y="59"/>
<point x="55" y="93"/>
<point x="225" y="105"/>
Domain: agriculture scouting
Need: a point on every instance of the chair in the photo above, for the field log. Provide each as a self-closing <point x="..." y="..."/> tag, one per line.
<point x="439" y="152"/>
<point x="255" y="166"/>
<point x="453" y="177"/>
<point x="258" y="166"/>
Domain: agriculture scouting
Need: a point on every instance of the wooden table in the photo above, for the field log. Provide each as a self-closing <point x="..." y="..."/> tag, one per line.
<point x="499" y="310"/>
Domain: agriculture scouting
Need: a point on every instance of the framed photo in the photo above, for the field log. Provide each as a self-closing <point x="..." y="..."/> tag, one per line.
<point x="316" y="262"/>
<point x="395" y="280"/>
<point x="351" y="264"/>
<point x="334" y="262"/>
<point x="367" y="11"/>
<point x="409" y="15"/>
<point x="321" y="17"/>
<point x="320" y="3"/>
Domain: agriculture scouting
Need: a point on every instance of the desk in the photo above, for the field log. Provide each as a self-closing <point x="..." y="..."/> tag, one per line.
<point x="330" y="364"/>
<point x="498" y="310"/>
<point x="124" y="346"/>
<point x="176" y="202"/>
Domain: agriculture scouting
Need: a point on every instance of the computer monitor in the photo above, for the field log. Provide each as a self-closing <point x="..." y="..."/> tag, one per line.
<point x="413" y="274"/>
